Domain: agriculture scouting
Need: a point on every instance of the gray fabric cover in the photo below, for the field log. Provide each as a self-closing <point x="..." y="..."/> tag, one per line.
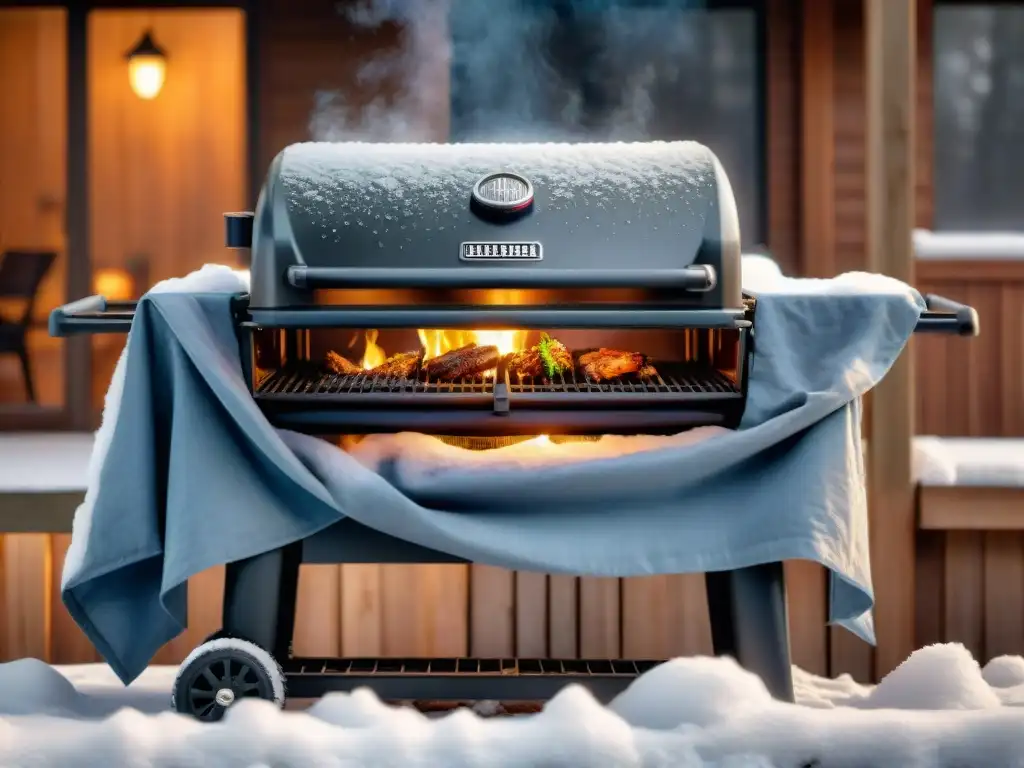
<point x="195" y="476"/>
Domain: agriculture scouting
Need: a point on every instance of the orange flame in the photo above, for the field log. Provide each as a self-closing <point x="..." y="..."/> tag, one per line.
<point x="436" y="342"/>
<point x="374" y="355"/>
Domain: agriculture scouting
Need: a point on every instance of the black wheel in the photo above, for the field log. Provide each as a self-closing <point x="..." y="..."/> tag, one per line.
<point x="221" y="671"/>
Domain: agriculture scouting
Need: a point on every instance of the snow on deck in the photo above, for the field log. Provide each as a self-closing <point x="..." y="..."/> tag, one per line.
<point x="968" y="245"/>
<point x="45" y="462"/>
<point x="937" y="710"/>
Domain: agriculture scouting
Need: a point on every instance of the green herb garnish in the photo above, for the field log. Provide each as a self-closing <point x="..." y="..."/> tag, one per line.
<point x="551" y="366"/>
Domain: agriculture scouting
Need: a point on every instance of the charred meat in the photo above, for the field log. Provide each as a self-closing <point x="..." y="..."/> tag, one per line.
<point x="400" y="366"/>
<point x="341" y="366"/>
<point x="461" y="363"/>
<point x="604" y="364"/>
<point x="545" y="360"/>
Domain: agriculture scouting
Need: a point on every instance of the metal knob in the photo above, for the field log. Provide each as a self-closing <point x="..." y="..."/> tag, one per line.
<point x="238" y="229"/>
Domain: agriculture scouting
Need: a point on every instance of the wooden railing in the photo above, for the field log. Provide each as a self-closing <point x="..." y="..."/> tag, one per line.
<point x="970" y="581"/>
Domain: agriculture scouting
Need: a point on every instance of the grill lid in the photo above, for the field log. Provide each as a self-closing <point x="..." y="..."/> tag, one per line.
<point x="650" y="206"/>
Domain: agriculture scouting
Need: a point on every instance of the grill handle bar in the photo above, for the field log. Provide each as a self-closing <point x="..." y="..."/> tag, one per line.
<point x="696" y="277"/>
<point x="946" y="316"/>
<point x="91" y="315"/>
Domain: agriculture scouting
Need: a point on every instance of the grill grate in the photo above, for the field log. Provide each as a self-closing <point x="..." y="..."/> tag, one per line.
<point x="672" y="378"/>
<point x="454" y="666"/>
<point x="308" y="380"/>
<point x="678" y="378"/>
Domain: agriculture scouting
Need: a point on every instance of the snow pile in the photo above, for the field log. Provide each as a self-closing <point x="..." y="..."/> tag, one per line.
<point x="969" y="461"/>
<point x="760" y="272"/>
<point x="846" y="284"/>
<point x="938" y="709"/>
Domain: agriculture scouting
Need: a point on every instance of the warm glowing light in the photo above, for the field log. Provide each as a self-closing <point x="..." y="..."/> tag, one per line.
<point x="113" y="284"/>
<point x="374" y="355"/>
<point x="147" y="67"/>
<point x="437" y="342"/>
<point x="541" y="440"/>
<point x="146" y="74"/>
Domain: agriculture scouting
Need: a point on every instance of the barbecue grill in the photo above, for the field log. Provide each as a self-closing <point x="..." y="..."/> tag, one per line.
<point x="364" y="250"/>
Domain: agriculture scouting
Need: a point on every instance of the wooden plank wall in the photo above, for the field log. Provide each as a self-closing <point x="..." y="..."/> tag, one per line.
<point x="163" y="172"/>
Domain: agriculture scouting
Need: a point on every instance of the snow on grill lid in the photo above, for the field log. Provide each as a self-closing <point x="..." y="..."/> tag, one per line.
<point x="649" y="169"/>
<point x="378" y="202"/>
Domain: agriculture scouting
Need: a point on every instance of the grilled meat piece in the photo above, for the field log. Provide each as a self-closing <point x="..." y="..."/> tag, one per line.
<point x="400" y="366"/>
<point x="604" y="364"/>
<point x="470" y="360"/>
<point x="342" y="366"/>
<point x="529" y="364"/>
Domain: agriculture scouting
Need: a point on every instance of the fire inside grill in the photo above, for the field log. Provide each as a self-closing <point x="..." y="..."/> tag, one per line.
<point x="566" y="372"/>
<point x="694" y="378"/>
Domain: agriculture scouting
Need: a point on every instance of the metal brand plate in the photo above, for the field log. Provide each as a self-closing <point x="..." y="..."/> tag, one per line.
<point x="521" y="251"/>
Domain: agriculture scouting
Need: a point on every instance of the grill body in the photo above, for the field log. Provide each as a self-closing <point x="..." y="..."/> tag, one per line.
<point x="584" y="238"/>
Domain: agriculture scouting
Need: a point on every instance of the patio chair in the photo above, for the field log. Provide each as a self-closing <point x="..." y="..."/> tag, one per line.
<point x="21" y="273"/>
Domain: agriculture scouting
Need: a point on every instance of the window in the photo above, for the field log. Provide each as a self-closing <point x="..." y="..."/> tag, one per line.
<point x="633" y="70"/>
<point x="979" y="116"/>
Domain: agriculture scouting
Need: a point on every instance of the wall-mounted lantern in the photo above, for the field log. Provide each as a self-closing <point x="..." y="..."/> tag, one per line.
<point x="147" y="67"/>
<point x="113" y="284"/>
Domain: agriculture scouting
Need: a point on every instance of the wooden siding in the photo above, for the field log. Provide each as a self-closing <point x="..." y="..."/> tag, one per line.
<point x="311" y="50"/>
<point x="163" y="172"/>
<point x="971" y="582"/>
<point x="33" y="120"/>
<point x="782" y="147"/>
<point x="973" y="387"/>
<point x="849" y="130"/>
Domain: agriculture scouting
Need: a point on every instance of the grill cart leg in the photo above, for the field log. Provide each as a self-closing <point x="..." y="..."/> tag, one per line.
<point x="749" y="622"/>
<point x="259" y="599"/>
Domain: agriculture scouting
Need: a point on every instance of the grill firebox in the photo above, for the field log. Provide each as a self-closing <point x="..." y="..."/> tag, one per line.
<point x="702" y="382"/>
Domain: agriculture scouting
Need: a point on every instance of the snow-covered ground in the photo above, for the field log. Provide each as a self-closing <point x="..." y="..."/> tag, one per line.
<point x="939" y="709"/>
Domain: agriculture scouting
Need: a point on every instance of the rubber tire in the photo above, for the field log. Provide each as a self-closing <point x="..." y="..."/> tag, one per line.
<point x="265" y="673"/>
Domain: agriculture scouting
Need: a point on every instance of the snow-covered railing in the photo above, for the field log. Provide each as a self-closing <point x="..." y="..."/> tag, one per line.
<point x="43" y="477"/>
<point x="930" y="245"/>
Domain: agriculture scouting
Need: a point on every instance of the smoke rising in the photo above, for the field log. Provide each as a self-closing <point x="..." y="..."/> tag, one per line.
<point x="556" y="70"/>
<point x="524" y="70"/>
